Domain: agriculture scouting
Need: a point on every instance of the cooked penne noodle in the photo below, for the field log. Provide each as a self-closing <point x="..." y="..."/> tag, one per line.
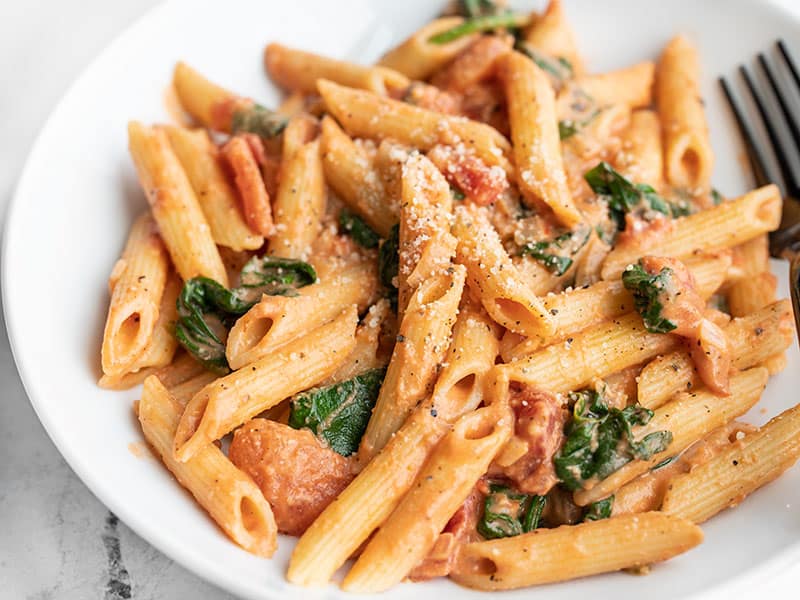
<point x="229" y="496"/>
<point x="494" y="278"/>
<point x="538" y="557"/>
<point x="199" y="157"/>
<point x="411" y="125"/>
<point x="349" y="172"/>
<point x="297" y="70"/>
<point x="426" y="245"/>
<point x="534" y="133"/>
<point x="198" y="95"/>
<point x="750" y="258"/>
<point x="231" y="400"/>
<point x="175" y="208"/>
<point x="276" y="320"/>
<point x="185" y="391"/>
<point x="732" y="475"/>
<point x="752" y="293"/>
<point x="552" y="34"/>
<point x="688" y="156"/>
<point x="689" y="416"/>
<point x="367" y="354"/>
<point x="631" y="86"/>
<point x="579" y="308"/>
<point x="300" y="204"/>
<point x="442" y="485"/>
<point x="723" y="226"/>
<point x="752" y="339"/>
<point x="640" y="158"/>
<point x="423" y="339"/>
<point x="418" y="58"/>
<point x="472" y="353"/>
<point x="592" y="354"/>
<point x="137" y="286"/>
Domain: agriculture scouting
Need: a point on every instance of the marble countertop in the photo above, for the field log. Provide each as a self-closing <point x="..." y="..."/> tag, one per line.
<point x="57" y="541"/>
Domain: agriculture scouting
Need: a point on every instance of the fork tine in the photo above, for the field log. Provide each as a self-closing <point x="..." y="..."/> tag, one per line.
<point x="788" y="114"/>
<point x="789" y="62"/>
<point x="777" y="144"/>
<point x="761" y="168"/>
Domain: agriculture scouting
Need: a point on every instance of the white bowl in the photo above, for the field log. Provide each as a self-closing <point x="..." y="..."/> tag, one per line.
<point x="78" y="195"/>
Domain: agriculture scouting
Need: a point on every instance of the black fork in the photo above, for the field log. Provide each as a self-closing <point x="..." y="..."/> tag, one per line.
<point x="785" y="241"/>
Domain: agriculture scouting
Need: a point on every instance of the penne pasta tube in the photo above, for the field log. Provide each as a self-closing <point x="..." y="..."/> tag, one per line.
<point x="411" y="125"/>
<point x="231" y="400"/>
<point x="688" y="156"/>
<point x="579" y="308"/>
<point x="346" y="523"/>
<point x="689" y="416"/>
<point x="175" y="208"/>
<point x="198" y="96"/>
<point x="592" y="354"/>
<point x="137" y="285"/>
<point x="640" y="158"/>
<point x="426" y="246"/>
<point x="752" y="340"/>
<point x="552" y="34"/>
<point x="418" y="58"/>
<point x="160" y="348"/>
<point x="297" y="70"/>
<point x="535" y="137"/>
<point x="632" y="86"/>
<point x="471" y="356"/>
<point x="752" y="293"/>
<point x="723" y="226"/>
<point x="538" y="557"/>
<point x="750" y="258"/>
<point x="200" y="160"/>
<point x="494" y="278"/>
<point x="423" y="339"/>
<point x="276" y="320"/>
<point x="732" y="475"/>
<point x="300" y="203"/>
<point x="442" y="485"/>
<point x="349" y="172"/>
<point x="229" y="496"/>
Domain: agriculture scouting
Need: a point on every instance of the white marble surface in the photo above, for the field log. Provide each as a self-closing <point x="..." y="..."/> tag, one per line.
<point x="56" y="540"/>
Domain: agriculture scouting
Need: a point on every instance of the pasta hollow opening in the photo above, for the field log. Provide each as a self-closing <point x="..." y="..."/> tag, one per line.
<point x="479" y="429"/>
<point x="128" y="332"/>
<point x="512" y="310"/>
<point x="768" y="209"/>
<point x="252" y="516"/>
<point x="462" y="389"/>
<point x="255" y="332"/>
<point x="690" y="163"/>
<point x="427" y="294"/>
<point x="482" y="566"/>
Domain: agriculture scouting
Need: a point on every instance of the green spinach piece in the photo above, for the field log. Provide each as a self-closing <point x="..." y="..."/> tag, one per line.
<point x="559" y="68"/>
<point x="649" y="293"/>
<point x="486" y="22"/>
<point x="507" y="513"/>
<point x="206" y="309"/>
<point x="716" y="197"/>
<point x="599" y="510"/>
<point x="357" y="228"/>
<point x="600" y="440"/>
<point x="569" y="127"/>
<point x="478" y="8"/>
<point x="624" y="196"/>
<point x="557" y="254"/>
<point x="389" y="263"/>
<point x="338" y="413"/>
<point x="260" y="120"/>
